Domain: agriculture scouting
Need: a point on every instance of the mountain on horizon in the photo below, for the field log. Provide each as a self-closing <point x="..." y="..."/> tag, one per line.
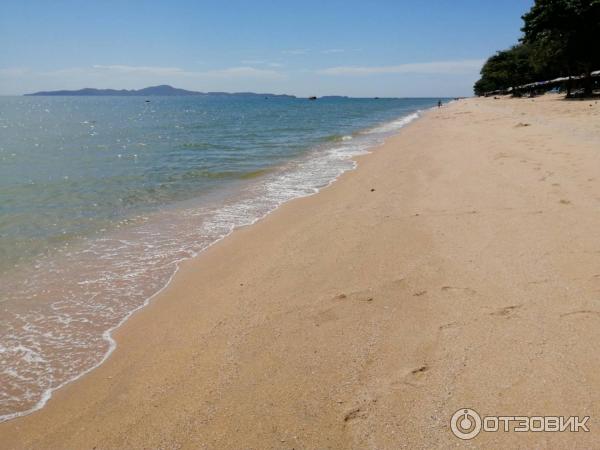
<point x="161" y="90"/>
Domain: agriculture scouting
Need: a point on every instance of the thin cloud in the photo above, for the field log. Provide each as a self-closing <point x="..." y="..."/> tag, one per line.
<point x="13" y="71"/>
<point x="333" y="50"/>
<point x="295" y="51"/>
<point x="242" y="72"/>
<point x="148" y="70"/>
<point x="163" y="72"/>
<point x="260" y="62"/>
<point x="436" y="67"/>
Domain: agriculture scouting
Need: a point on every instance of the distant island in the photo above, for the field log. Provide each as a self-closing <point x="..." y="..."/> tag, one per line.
<point x="162" y="90"/>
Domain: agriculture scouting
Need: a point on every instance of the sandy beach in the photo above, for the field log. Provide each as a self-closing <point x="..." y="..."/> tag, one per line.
<point x="458" y="266"/>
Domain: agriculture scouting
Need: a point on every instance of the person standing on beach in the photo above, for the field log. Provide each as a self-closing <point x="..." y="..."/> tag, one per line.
<point x="439" y="103"/>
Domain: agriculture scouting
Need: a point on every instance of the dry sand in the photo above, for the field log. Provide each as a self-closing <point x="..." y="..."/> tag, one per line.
<point x="458" y="266"/>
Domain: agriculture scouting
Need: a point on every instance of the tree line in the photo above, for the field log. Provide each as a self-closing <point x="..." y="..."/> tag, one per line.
<point x="561" y="38"/>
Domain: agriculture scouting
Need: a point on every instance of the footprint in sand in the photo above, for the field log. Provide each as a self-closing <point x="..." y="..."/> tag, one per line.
<point x="450" y="325"/>
<point x="421" y="369"/>
<point x="456" y="288"/>
<point x="359" y="412"/>
<point x="361" y="296"/>
<point x="413" y="377"/>
<point x="502" y="155"/>
<point x="355" y="413"/>
<point x="564" y="202"/>
<point x="325" y="316"/>
<point x="542" y="281"/>
<point x="507" y="311"/>
<point x="584" y="312"/>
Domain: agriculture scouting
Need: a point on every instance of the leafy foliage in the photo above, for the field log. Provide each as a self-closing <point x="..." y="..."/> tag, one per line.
<point x="507" y="68"/>
<point x="560" y="37"/>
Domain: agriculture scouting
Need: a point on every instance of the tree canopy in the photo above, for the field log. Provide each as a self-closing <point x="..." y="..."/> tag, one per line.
<point x="560" y="38"/>
<point x="505" y="69"/>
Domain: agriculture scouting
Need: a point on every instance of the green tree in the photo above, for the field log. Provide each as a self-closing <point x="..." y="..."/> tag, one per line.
<point x="564" y="34"/>
<point x="506" y="69"/>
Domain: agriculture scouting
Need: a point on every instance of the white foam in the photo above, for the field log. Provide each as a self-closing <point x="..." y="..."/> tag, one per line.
<point x="395" y="124"/>
<point x="128" y="270"/>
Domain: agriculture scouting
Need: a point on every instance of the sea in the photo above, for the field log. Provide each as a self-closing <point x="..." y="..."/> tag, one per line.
<point x="101" y="198"/>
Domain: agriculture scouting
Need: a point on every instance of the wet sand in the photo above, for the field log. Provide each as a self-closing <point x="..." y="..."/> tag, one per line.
<point x="458" y="266"/>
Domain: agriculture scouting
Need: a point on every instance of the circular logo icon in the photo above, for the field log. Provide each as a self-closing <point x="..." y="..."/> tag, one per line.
<point x="465" y="423"/>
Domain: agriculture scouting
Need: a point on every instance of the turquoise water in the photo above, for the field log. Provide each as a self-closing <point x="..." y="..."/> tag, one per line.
<point x="102" y="197"/>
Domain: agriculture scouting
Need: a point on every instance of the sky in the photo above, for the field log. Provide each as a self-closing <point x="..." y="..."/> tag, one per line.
<point x="363" y="48"/>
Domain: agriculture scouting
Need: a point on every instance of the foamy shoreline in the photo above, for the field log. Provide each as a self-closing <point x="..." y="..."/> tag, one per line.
<point x="376" y="134"/>
<point x="454" y="268"/>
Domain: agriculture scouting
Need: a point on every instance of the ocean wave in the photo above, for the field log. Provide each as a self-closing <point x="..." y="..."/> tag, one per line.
<point x="338" y="138"/>
<point x="84" y="293"/>
<point x="395" y="124"/>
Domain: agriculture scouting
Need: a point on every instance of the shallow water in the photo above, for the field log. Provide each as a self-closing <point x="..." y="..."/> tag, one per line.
<point x="101" y="198"/>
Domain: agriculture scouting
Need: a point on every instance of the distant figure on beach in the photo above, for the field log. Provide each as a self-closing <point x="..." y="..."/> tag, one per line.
<point x="439" y="103"/>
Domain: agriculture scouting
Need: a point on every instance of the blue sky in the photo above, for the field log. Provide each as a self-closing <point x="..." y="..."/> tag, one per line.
<point x="359" y="48"/>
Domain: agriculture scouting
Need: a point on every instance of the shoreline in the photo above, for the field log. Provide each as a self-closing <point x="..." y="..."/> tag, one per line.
<point x="394" y="126"/>
<point x="364" y="316"/>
